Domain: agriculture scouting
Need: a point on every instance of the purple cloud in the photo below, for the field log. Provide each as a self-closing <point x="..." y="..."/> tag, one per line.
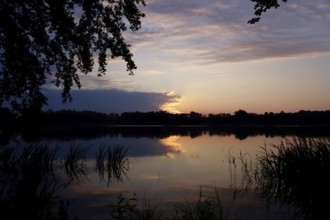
<point x="109" y="100"/>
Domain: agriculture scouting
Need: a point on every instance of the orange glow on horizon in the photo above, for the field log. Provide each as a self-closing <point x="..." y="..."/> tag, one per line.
<point x="170" y="107"/>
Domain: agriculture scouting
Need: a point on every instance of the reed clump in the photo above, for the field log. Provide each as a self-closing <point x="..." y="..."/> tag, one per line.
<point x="203" y="208"/>
<point x="30" y="182"/>
<point x="295" y="174"/>
<point x="132" y="209"/>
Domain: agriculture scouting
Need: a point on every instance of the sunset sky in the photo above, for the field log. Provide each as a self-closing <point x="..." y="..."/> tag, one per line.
<point x="203" y="56"/>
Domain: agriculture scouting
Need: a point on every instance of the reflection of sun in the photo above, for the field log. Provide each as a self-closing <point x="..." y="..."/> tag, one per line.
<point x="170" y="155"/>
<point x="171" y="142"/>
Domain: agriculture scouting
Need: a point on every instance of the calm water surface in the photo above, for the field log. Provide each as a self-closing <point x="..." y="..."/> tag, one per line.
<point x="170" y="170"/>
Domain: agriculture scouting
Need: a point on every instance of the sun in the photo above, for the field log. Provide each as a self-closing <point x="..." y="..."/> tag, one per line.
<point x="170" y="106"/>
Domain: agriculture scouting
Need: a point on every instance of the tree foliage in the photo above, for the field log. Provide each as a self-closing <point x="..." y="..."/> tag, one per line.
<point x="61" y="38"/>
<point x="261" y="6"/>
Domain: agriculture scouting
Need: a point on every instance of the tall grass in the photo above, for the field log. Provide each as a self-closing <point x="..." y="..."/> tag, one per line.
<point x="203" y="208"/>
<point x="295" y="173"/>
<point x="28" y="184"/>
<point x="112" y="162"/>
<point x="75" y="163"/>
<point x="29" y="181"/>
<point x="133" y="209"/>
<point x="245" y="163"/>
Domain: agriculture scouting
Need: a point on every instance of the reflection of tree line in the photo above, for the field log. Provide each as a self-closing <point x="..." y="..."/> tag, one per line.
<point x="32" y="178"/>
<point x="91" y="125"/>
<point x="293" y="174"/>
<point x="159" y="132"/>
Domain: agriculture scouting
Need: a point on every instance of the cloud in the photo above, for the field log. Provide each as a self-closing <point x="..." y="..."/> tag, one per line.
<point x="217" y="31"/>
<point x="110" y="100"/>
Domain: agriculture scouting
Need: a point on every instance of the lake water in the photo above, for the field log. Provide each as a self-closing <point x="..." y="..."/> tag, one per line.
<point x="168" y="170"/>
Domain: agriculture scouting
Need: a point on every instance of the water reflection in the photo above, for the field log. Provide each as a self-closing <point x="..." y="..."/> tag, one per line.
<point x="172" y="143"/>
<point x="171" y="168"/>
<point x="67" y="133"/>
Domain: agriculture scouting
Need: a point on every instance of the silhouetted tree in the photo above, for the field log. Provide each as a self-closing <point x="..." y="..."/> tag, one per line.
<point x="59" y="38"/>
<point x="262" y="6"/>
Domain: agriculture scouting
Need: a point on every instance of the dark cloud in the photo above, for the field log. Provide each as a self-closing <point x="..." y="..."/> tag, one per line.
<point x="109" y="100"/>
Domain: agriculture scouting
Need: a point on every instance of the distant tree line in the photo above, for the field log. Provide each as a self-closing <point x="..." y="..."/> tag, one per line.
<point x="240" y="117"/>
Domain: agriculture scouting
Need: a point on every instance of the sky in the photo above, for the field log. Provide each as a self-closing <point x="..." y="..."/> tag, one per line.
<point x="203" y="56"/>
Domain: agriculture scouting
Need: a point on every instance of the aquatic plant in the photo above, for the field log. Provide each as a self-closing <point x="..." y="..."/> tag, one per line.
<point x="74" y="163"/>
<point x="132" y="209"/>
<point x="30" y="182"/>
<point x="113" y="163"/>
<point x="294" y="174"/>
<point x="245" y="163"/>
<point x="205" y="208"/>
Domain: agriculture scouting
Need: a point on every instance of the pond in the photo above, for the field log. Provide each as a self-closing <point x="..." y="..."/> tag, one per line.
<point x="165" y="173"/>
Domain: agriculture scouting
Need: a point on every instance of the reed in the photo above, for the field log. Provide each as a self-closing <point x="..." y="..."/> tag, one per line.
<point x="244" y="183"/>
<point x="75" y="163"/>
<point x="294" y="174"/>
<point x="112" y="161"/>
<point x="205" y="208"/>
<point x="132" y="209"/>
<point x="30" y="184"/>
